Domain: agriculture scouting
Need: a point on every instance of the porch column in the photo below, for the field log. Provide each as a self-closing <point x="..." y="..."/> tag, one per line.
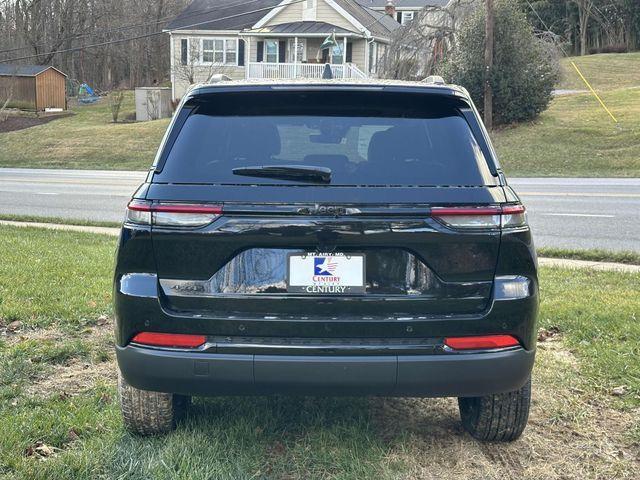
<point x="247" y="57"/>
<point x="295" y="57"/>
<point x="344" y="59"/>
<point x="344" y="51"/>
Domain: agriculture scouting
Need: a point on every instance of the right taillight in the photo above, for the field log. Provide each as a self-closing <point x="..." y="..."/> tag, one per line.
<point x="508" y="216"/>
<point x="513" y="216"/>
<point x="142" y="212"/>
<point x="482" y="342"/>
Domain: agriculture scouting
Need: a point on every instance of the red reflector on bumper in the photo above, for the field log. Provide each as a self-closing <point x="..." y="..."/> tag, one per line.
<point x="481" y="342"/>
<point x="176" y="340"/>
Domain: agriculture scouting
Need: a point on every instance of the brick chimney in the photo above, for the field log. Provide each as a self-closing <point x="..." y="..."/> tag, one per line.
<point x="390" y="9"/>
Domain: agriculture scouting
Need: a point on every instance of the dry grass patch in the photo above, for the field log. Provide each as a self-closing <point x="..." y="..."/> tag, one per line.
<point x="571" y="434"/>
<point x="78" y="374"/>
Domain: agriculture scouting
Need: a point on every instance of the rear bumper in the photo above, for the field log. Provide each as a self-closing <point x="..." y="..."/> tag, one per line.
<point x="442" y="375"/>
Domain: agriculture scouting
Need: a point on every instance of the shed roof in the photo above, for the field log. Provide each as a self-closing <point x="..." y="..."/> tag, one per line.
<point x="11" y="70"/>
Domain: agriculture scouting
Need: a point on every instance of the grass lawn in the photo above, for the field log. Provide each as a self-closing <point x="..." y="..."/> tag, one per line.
<point x="576" y="137"/>
<point x="604" y="71"/>
<point x="59" y="415"/>
<point x="86" y="140"/>
<point x="58" y="220"/>
<point x="631" y="258"/>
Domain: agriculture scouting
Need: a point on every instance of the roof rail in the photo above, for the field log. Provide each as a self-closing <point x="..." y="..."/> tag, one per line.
<point x="435" y="80"/>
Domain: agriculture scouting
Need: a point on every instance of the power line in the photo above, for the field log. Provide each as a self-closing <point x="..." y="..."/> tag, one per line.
<point x="545" y="26"/>
<point x="148" y="35"/>
<point x="130" y="26"/>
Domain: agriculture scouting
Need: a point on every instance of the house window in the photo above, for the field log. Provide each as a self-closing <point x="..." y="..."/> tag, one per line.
<point x="218" y="50"/>
<point x="230" y="51"/>
<point x="336" y="54"/>
<point x="184" y="51"/>
<point x="406" y="17"/>
<point x="271" y="51"/>
<point x="207" y="51"/>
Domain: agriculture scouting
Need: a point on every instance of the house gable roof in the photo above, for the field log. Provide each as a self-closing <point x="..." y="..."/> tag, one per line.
<point x="212" y="15"/>
<point x="24" y="70"/>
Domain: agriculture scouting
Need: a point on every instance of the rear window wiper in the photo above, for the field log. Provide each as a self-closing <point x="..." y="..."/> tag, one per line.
<point x="307" y="173"/>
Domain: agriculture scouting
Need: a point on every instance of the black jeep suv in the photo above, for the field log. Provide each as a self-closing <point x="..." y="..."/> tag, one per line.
<point x="326" y="239"/>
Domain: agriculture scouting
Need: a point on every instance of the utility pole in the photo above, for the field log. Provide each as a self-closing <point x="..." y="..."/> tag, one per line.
<point x="488" y="64"/>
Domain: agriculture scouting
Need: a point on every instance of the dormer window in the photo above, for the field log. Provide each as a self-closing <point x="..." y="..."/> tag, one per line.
<point x="309" y="10"/>
<point x="406" y="17"/>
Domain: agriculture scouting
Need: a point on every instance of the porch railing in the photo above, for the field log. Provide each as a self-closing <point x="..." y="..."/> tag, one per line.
<point x="301" y="70"/>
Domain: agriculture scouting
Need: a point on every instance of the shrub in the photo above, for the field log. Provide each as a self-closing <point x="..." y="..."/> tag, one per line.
<point x="115" y="102"/>
<point x="525" y="68"/>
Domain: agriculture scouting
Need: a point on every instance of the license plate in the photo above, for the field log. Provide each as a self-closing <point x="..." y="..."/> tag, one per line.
<point x="325" y="274"/>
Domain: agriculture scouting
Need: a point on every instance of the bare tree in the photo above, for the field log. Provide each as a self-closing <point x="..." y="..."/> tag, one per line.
<point x="41" y="28"/>
<point x="6" y="94"/>
<point x="8" y="97"/>
<point x="193" y="70"/>
<point x="585" y="9"/>
<point x="417" y="47"/>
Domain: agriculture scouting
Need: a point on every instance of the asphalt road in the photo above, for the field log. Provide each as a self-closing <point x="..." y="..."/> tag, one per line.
<point x="563" y="212"/>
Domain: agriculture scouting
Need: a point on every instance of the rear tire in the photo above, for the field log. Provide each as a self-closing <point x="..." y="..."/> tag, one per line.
<point x="501" y="417"/>
<point x="149" y="413"/>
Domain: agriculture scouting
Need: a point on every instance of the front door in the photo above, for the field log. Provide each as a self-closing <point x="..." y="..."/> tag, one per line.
<point x="298" y="55"/>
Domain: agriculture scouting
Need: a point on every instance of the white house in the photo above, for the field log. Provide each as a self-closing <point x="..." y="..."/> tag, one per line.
<point x="275" y="39"/>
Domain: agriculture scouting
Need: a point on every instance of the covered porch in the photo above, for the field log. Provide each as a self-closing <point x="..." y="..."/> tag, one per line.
<point x="292" y="50"/>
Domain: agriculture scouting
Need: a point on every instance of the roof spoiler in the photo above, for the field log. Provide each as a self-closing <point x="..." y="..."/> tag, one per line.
<point x="435" y="80"/>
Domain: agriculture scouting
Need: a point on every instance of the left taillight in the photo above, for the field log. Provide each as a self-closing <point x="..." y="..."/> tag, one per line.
<point x="173" y="340"/>
<point x="507" y="216"/>
<point x="142" y="212"/>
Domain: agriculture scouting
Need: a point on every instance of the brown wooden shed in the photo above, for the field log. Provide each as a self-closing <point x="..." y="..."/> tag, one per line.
<point x="33" y="87"/>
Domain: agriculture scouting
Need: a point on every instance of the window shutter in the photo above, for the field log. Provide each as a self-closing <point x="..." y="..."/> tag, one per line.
<point x="399" y="17"/>
<point x="349" y="57"/>
<point x="325" y="55"/>
<point x="240" y="52"/>
<point x="282" y="51"/>
<point x="260" y="56"/>
<point x="184" y="51"/>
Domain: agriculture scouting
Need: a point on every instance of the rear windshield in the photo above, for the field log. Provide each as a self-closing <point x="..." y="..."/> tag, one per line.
<point x="362" y="139"/>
